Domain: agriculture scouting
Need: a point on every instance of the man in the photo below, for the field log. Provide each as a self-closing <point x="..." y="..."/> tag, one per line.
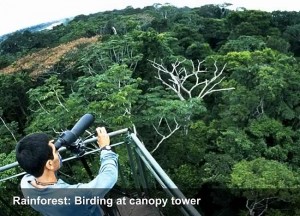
<point x="49" y="195"/>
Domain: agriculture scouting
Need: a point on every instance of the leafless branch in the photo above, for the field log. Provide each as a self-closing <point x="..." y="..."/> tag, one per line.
<point x="260" y="108"/>
<point x="91" y="70"/>
<point x="100" y="61"/>
<point x="42" y="106"/>
<point x="57" y="132"/>
<point x="164" y="137"/>
<point x="59" y="102"/>
<point x="258" y="207"/>
<point x="8" y="129"/>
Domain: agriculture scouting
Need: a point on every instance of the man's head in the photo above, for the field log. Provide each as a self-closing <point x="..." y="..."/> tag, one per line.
<point x="35" y="152"/>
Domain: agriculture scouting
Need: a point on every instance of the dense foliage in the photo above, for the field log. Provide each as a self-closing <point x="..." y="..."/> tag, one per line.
<point x="213" y="94"/>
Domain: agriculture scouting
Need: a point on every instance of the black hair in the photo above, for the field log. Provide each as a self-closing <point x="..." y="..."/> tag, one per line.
<point x="32" y="152"/>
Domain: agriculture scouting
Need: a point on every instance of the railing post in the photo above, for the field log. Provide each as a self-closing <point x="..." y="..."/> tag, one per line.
<point x="132" y="165"/>
<point x="142" y="175"/>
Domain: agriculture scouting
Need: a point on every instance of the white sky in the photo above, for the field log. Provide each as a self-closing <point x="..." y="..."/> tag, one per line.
<point x="18" y="14"/>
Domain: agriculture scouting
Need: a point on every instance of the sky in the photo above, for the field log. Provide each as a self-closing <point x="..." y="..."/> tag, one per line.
<point x="18" y="14"/>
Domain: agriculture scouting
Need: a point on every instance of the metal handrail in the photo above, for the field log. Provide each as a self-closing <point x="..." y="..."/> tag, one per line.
<point x="85" y="142"/>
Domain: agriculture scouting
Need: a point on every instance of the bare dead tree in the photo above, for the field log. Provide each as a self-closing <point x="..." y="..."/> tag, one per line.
<point x="187" y="84"/>
<point x="177" y="79"/>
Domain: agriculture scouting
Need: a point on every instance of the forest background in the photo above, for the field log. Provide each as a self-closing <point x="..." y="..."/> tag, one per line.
<point x="212" y="93"/>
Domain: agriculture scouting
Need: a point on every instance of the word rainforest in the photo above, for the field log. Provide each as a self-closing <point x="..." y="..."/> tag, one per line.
<point x="39" y="201"/>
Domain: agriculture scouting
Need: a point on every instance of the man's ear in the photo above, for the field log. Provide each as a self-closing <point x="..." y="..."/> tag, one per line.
<point x="49" y="164"/>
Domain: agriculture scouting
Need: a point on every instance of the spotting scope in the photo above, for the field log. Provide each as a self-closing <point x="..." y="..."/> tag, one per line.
<point x="69" y="137"/>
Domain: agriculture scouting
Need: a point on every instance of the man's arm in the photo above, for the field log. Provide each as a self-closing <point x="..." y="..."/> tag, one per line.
<point x="108" y="172"/>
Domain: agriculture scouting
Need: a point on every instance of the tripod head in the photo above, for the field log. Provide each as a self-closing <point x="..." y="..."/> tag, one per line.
<point x="69" y="138"/>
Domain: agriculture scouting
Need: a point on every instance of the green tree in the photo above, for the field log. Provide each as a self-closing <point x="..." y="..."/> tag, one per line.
<point x="210" y="11"/>
<point x="117" y="50"/>
<point x="284" y="19"/>
<point x="264" y="182"/>
<point x="271" y="77"/>
<point x="276" y="139"/>
<point x="187" y="35"/>
<point x="46" y="102"/>
<point x="214" y="31"/>
<point x="13" y="103"/>
<point x="9" y="135"/>
<point x="248" y="22"/>
<point x="279" y="44"/>
<point x="243" y="43"/>
<point x="291" y="34"/>
<point x="110" y="95"/>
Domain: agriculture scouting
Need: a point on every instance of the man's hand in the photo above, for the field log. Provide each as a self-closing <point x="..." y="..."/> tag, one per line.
<point x="103" y="138"/>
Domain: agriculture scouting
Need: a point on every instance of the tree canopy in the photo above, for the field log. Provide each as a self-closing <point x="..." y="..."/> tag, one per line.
<point x="213" y="94"/>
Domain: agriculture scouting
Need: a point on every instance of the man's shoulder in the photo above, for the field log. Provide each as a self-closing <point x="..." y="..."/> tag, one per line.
<point x="26" y="179"/>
